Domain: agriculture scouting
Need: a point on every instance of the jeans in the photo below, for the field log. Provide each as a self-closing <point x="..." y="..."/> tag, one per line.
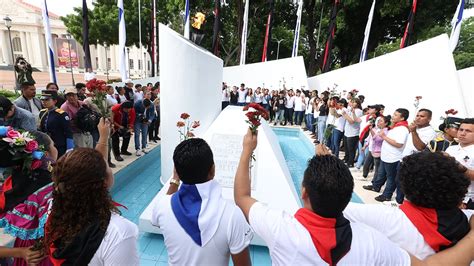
<point x="299" y="117"/>
<point x="309" y="122"/>
<point x="279" y="116"/>
<point x="388" y="172"/>
<point x="368" y="162"/>
<point x="321" y="128"/>
<point x="336" y="141"/>
<point x="289" y="115"/>
<point x="241" y="104"/>
<point x="140" y="130"/>
<point x="116" y="142"/>
<point x="224" y="105"/>
<point x="362" y="156"/>
<point x="350" y="149"/>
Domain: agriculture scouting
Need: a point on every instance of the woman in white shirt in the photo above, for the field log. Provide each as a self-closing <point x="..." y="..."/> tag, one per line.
<point x="250" y="98"/>
<point x="351" y="130"/>
<point x="84" y="226"/>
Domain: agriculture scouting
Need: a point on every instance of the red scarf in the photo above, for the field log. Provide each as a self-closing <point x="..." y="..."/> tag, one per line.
<point x="400" y="124"/>
<point x="366" y="131"/>
<point x="440" y="228"/>
<point x="7" y="186"/>
<point x="332" y="237"/>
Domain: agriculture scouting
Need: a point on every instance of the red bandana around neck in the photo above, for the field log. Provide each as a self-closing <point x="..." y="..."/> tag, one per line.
<point x="400" y="124"/>
<point x="440" y="229"/>
<point x="332" y="237"/>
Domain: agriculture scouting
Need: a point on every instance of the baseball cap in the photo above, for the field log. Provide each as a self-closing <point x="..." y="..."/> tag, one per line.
<point x="127" y="81"/>
<point x="70" y="90"/>
<point x="49" y="94"/>
<point x="5" y="106"/>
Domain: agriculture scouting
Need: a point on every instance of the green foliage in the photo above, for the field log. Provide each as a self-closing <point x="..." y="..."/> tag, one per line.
<point x="9" y="94"/>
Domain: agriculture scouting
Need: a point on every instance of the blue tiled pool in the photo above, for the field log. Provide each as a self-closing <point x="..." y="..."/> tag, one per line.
<point x="137" y="184"/>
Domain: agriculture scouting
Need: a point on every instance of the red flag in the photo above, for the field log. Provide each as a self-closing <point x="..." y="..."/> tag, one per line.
<point x="409" y="28"/>
<point x="268" y="34"/>
<point x="329" y="43"/>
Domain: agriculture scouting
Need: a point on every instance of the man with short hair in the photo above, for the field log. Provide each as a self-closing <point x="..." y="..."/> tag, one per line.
<point x="81" y="91"/>
<point x="124" y="118"/>
<point x="390" y="157"/>
<point x="129" y="94"/>
<point x="199" y="226"/>
<point x="421" y="133"/>
<point x="15" y="117"/>
<point x="28" y="101"/>
<point x="464" y="154"/>
<point x="242" y="93"/>
<point x="138" y="94"/>
<point x="318" y="233"/>
<point x="144" y="115"/>
<point x="234" y="96"/>
<point x="55" y="122"/>
<point x="72" y="105"/>
<point x="289" y="107"/>
<point x="429" y="220"/>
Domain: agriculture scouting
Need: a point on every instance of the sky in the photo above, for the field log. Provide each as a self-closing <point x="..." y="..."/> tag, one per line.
<point x="60" y="8"/>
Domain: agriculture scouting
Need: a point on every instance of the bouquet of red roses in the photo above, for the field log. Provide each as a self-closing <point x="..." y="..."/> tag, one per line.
<point x="254" y="113"/>
<point x="98" y="89"/>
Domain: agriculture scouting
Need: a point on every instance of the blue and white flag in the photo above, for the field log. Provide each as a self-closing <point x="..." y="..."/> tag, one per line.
<point x="122" y="41"/>
<point x="199" y="209"/>
<point x="186" y="20"/>
<point x="297" y="29"/>
<point x="49" y="42"/>
<point x="456" y="24"/>
<point x="243" y="43"/>
<point x="363" y="52"/>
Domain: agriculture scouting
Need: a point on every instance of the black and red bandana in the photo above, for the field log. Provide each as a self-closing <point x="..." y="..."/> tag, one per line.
<point x="332" y="237"/>
<point x="82" y="248"/>
<point x="441" y="229"/>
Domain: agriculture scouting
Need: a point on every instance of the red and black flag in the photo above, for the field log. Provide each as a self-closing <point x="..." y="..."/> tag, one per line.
<point x="85" y="35"/>
<point x="329" y="43"/>
<point x="217" y="27"/>
<point x="409" y="28"/>
<point x="268" y="33"/>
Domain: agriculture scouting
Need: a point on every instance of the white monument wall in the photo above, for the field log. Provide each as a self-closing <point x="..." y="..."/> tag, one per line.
<point x="270" y="74"/>
<point x="425" y="69"/>
<point x="466" y="78"/>
<point x="191" y="82"/>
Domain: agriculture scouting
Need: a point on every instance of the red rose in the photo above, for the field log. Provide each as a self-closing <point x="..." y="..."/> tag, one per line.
<point x="190" y="134"/>
<point x="246" y="108"/>
<point x="31" y="146"/>
<point x="13" y="134"/>
<point x="35" y="164"/>
<point x="455" y="112"/>
<point x="195" y="124"/>
<point x="185" y="116"/>
<point x="180" y="124"/>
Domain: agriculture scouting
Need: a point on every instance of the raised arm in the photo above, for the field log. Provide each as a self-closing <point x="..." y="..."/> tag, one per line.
<point x="104" y="132"/>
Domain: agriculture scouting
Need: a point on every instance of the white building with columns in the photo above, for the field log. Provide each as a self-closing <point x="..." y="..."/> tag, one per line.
<point x="28" y="40"/>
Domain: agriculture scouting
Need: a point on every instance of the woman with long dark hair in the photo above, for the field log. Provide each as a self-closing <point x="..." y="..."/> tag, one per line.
<point x="85" y="226"/>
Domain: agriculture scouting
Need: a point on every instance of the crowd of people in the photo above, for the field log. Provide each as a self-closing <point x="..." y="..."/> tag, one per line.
<point x="55" y="200"/>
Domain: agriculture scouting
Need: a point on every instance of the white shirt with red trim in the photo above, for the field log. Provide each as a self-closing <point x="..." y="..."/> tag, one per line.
<point x="394" y="224"/>
<point x="291" y="244"/>
<point x="389" y="153"/>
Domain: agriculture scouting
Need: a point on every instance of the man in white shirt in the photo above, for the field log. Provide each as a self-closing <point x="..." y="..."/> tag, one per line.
<point x="429" y="220"/>
<point x="138" y="94"/>
<point x="242" y="95"/>
<point x="198" y="225"/>
<point x="300" y="107"/>
<point x="339" y="123"/>
<point x="464" y="154"/>
<point x="289" y="107"/>
<point x="391" y="155"/>
<point x="318" y="234"/>
<point x="421" y="133"/>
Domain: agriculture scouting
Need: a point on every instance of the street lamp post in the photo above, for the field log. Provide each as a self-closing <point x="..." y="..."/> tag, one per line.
<point x="145" y="64"/>
<point x="107" y="63"/>
<point x="128" y="56"/>
<point x="68" y="37"/>
<point x="8" y="24"/>
<point x="278" y="47"/>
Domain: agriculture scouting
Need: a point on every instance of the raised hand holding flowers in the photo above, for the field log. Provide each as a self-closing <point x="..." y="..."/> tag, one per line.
<point x="255" y="112"/>
<point x="98" y="88"/>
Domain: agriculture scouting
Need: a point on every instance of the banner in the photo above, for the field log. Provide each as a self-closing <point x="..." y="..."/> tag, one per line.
<point x="363" y="52"/>
<point x="85" y="36"/>
<point x="122" y="41"/>
<point x="65" y="54"/>
<point x="329" y="43"/>
<point x="217" y="26"/>
<point x="49" y="42"/>
<point x="410" y="26"/>
<point x="456" y="24"/>
<point x="243" y="44"/>
<point x="297" y="29"/>
<point x="268" y="33"/>
<point x="186" y="20"/>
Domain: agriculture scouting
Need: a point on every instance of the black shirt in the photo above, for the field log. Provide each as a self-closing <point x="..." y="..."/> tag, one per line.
<point x="324" y="110"/>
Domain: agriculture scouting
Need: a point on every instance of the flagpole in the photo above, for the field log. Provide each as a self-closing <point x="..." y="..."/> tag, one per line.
<point x="297" y="29"/>
<point x="49" y="42"/>
<point x="243" y="44"/>
<point x="140" y="35"/>
<point x="363" y="52"/>
<point x="155" y="42"/>
<point x="456" y="24"/>
<point x="122" y="42"/>
<point x="186" y="20"/>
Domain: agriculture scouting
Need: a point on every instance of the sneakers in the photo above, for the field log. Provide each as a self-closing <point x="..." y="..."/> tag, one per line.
<point x="145" y="151"/>
<point x="139" y="153"/>
<point x="118" y="158"/>
<point x="372" y="188"/>
<point x="126" y="153"/>
<point x="111" y="164"/>
<point x="382" y="198"/>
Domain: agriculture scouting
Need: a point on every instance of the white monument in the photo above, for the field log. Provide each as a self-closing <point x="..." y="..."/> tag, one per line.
<point x="424" y="69"/>
<point x="466" y="78"/>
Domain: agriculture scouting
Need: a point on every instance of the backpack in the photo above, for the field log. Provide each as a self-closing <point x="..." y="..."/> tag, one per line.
<point x="87" y="119"/>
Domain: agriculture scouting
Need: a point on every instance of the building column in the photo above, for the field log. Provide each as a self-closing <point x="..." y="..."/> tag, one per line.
<point x="6" y="50"/>
<point x="24" y="48"/>
<point x="29" y="48"/>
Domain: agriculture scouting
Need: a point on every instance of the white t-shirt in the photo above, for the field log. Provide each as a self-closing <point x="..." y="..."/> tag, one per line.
<point x="389" y="153"/>
<point x="290" y="101"/>
<point x="309" y="105"/>
<point x="225" y="96"/>
<point x="465" y="156"/>
<point x="119" y="246"/>
<point x="122" y="98"/>
<point x="352" y="130"/>
<point x="340" y="121"/>
<point x="111" y="100"/>
<point x="331" y="120"/>
<point x="299" y="104"/>
<point x="137" y="96"/>
<point x="258" y="97"/>
<point x="426" y="134"/>
<point x="291" y="244"/>
<point x="242" y="94"/>
<point x="34" y="109"/>
<point x="363" y="123"/>
<point x="394" y="224"/>
<point x="232" y="236"/>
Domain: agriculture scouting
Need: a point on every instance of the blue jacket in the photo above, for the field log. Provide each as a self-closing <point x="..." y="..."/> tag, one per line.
<point x="140" y="111"/>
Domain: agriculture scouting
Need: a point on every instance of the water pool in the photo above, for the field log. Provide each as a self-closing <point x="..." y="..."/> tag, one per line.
<point x="137" y="184"/>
